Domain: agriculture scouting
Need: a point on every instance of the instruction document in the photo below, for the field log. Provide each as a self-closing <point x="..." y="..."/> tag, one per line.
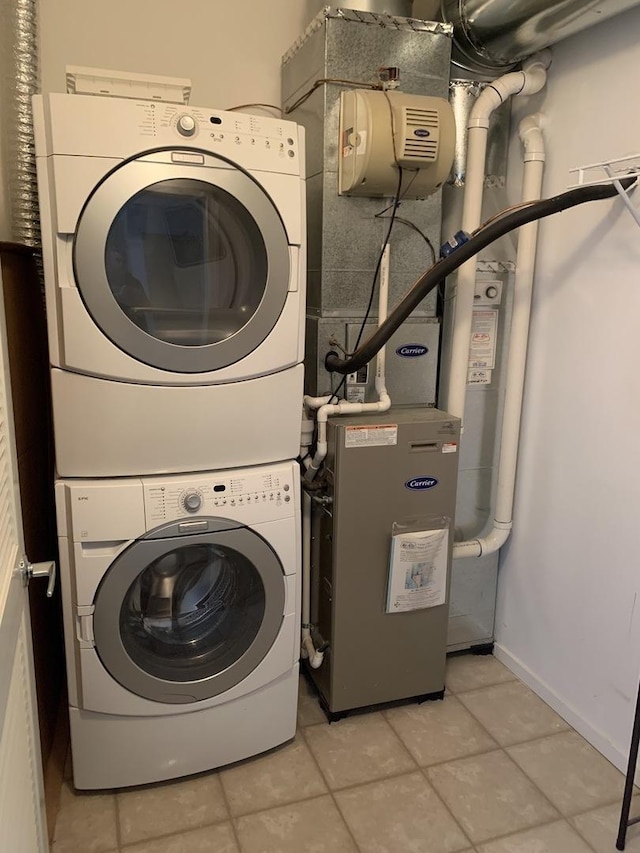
<point x="418" y="570"/>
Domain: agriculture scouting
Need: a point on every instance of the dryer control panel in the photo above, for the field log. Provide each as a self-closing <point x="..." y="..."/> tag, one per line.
<point x="248" y="495"/>
<point x="87" y="126"/>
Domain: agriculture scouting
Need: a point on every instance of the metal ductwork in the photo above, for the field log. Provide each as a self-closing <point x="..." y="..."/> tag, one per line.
<point x="491" y="36"/>
<point x="401" y="8"/>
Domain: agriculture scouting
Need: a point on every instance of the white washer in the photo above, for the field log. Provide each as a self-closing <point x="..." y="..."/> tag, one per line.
<point x="174" y="256"/>
<point x="181" y="619"/>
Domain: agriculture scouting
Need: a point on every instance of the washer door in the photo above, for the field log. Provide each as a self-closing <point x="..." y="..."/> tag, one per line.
<point x="182" y="260"/>
<point x="181" y="618"/>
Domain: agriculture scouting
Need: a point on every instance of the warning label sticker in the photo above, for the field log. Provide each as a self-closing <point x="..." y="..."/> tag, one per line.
<point x="381" y="435"/>
<point x="482" y="352"/>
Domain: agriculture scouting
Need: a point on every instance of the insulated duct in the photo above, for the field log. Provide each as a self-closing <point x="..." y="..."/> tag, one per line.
<point x="493" y="35"/>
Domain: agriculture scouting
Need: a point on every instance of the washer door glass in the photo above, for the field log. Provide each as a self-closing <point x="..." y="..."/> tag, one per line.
<point x="192" y="612"/>
<point x="184" y="267"/>
<point x="184" y="618"/>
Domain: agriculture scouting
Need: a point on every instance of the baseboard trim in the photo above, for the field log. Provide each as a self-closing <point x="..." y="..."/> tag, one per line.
<point x="593" y="735"/>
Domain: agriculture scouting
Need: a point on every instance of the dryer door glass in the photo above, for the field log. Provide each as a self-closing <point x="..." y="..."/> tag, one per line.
<point x="184" y="268"/>
<point x="186" y="262"/>
<point x="180" y="618"/>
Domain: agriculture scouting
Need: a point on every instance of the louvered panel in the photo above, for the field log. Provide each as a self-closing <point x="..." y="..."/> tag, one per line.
<point x="419" y="124"/>
<point x="421" y="118"/>
<point x="20" y="824"/>
<point x="8" y="529"/>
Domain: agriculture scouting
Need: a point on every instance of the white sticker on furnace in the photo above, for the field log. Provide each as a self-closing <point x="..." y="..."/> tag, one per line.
<point x="381" y="435"/>
<point x="482" y="352"/>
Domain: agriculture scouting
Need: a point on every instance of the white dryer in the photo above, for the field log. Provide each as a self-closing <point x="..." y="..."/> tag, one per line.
<point x="181" y="620"/>
<point x="173" y="241"/>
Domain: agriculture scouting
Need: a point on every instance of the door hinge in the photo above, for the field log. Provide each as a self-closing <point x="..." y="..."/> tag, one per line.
<point x="38" y="570"/>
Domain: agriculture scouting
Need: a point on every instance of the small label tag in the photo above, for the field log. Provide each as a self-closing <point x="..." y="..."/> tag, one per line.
<point x="479" y="377"/>
<point x="450" y="447"/>
<point x="356" y="393"/>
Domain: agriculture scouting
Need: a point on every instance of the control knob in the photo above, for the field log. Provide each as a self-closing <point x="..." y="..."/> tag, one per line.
<point x="192" y="502"/>
<point x="186" y="125"/>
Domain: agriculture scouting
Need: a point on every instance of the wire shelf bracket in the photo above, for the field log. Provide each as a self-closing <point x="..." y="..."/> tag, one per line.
<point x="612" y="171"/>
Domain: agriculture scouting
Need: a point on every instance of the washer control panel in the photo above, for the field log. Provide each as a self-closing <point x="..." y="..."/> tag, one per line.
<point x="233" y="494"/>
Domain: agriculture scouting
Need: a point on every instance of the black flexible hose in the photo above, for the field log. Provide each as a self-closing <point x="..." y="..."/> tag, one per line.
<point x="437" y="273"/>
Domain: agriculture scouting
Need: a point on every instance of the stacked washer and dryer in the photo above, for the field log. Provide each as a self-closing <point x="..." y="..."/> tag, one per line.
<point x="173" y="241"/>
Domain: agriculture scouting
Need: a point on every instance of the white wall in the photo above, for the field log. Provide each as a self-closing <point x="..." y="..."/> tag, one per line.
<point x="568" y="617"/>
<point x="231" y="51"/>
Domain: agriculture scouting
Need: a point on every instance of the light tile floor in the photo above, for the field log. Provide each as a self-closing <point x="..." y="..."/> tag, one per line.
<point x="490" y="769"/>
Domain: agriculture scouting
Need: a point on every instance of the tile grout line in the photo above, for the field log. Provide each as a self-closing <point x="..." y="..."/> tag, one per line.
<point x="229" y="814"/>
<point x="519" y="742"/>
<point x="493" y="839"/>
<point x="446" y="807"/>
<point x="495" y="743"/>
<point x="333" y="799"/>
<point x="544" y="822"/>
<point x="393" y="776"/>
<point x="123" y="847"/>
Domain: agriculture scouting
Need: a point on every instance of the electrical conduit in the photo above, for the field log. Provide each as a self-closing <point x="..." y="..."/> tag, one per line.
<point x="526" y="82"/>
<point x="534" y="157"/>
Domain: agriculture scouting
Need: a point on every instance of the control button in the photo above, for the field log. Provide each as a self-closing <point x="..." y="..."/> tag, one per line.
<point x="289" y="141"/>
<point x="286" y="487"/>
<point x="239" y="500"/>
<point x="192" y="502"/>
<point x="291" y="153"/>
<point x="287" y="498"/>
<point x="491" y="292"/>
<point x="232" y="502"/>
<point x="237" y="139"/>
<point x="186" y="125"/>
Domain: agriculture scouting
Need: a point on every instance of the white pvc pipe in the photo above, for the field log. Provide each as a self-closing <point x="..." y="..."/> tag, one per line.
<point x="534" y="156"/>
<point x="526" y="82"/>
<point x="344" y="407"/>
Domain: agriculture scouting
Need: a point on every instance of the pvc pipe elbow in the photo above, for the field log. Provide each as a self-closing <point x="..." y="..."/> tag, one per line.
<point x="482" y="546"/>
<point x="530" y="131"/>
<point x="309" y="651"/>
<point x="495" y="94"/>
<point x="315" y="402"/>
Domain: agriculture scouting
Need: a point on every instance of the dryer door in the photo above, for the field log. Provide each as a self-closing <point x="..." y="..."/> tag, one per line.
<point x="181" y="617"/>
<point x="182" y="260"/>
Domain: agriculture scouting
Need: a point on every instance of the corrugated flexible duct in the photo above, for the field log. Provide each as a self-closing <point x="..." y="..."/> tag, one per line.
<point x="493" y="35"/>
<point x="19" y="82"/>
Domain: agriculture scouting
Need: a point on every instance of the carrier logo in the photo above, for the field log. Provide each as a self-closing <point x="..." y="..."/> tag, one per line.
<point x="421" y="131"/>
<point x="421" y="484"/>
<point x="412" y="350"/>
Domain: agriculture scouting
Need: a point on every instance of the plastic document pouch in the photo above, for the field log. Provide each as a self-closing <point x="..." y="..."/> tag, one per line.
<point x="418" y="564"/>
